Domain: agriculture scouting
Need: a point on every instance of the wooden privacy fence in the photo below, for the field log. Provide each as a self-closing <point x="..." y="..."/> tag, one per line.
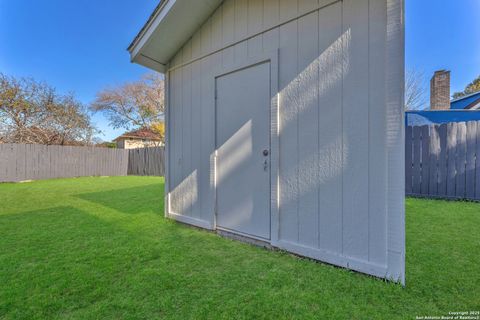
<point x="146" y="162"/>
<point x="20" y="162"/>
<point x="443" y="161"/>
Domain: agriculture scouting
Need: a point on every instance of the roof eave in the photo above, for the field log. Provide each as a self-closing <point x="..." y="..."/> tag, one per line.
<point x="148" y="62"/>
<point x="171" y="24"/>
<point x="135" y="48"/>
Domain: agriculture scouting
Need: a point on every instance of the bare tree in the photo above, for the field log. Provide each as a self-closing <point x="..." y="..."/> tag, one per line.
<point x="415" y="90"/>
<point x="33" y="112"/>
<point x="138" y="104"/>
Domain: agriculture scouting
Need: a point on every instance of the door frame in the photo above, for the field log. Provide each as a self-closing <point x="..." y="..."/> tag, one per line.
<point x="272" y="58"/>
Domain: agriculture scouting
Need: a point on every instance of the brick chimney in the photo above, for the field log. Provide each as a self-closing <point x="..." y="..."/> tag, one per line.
<point x="440" y="90"/>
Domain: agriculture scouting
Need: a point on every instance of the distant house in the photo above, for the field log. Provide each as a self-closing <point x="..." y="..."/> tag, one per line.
<point x="442" y="109"/>
<point x="141" y="138"/>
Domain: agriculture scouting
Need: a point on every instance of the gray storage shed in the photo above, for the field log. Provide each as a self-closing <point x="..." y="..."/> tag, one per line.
<point x="285" y="123"/>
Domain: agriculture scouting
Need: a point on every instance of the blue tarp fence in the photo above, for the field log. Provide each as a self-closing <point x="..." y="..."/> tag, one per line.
<point x="422" y="118"/>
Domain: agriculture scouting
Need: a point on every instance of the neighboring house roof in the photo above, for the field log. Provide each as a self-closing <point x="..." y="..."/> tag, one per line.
<point x="143" y="133"/>
<point x="171" y="24"/>
<point x="420" y="118"/>
<point x="471" y="101"/>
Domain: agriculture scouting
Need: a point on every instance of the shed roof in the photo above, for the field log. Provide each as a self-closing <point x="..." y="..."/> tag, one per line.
<point x="170" y="25"/>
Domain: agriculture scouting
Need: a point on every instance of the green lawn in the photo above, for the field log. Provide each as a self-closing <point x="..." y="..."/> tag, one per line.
<point x="100" y="248"/>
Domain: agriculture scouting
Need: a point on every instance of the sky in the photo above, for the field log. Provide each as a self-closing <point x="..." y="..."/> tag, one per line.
<point x="76" y="46"/>
<point x="80" y="46"/>
<point x="444" y="34"/>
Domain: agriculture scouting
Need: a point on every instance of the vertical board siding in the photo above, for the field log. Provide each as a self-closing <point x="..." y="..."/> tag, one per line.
<point x="308" y="129"/>
<point x="445" y="161"/>
<point x="255" y="26"/>
<point x="196" y="143"/>
<point x="243" y="20"/>
<point x="187" y="173"/>
<point x="176" y="139"/>
<point x="255" y="16"/>
<point x="288" y="9"/>
<point x="330" y="142"/>
<point x="228" y="27"/>
<point x="271" y="13"/>
<point x="355" y="129"/>
<point x="207" y="178"/>
<point x="333" y="148"/>
<point x="306" y="6"/>
<point x="241" y="30"/>
<point x="377" y="157"/>
<point x="20" y="162"/>
<point x="217" y="32"/>
<point x="288" y="169"/>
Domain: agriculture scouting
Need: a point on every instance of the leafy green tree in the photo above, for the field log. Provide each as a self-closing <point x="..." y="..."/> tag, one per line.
<point x="473" y="87"/>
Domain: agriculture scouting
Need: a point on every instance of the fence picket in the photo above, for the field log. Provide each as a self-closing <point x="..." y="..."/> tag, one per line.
<point x="477" y="164"/>
<point x="425" y="161"/>
<point x="417" y="151"/>
<point x="442" y="162"/>
<point x="461" y="160"/>
<point x="470" y="161"/>
<point x="434" y="153"/>
<point x="451" y="158"/>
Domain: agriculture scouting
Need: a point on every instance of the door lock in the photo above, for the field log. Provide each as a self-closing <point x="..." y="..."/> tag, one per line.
<point x="266" y="152"/>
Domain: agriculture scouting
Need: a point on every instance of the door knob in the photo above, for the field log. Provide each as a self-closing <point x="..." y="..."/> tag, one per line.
<point x="266" y="152"/>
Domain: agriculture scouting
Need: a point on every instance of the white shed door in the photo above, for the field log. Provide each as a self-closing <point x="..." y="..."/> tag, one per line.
<point x="243" y="151"/>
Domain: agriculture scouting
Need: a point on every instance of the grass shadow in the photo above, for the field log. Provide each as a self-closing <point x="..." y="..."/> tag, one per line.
<point x="134" y="200"/>
<point x="59" y="256"/>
